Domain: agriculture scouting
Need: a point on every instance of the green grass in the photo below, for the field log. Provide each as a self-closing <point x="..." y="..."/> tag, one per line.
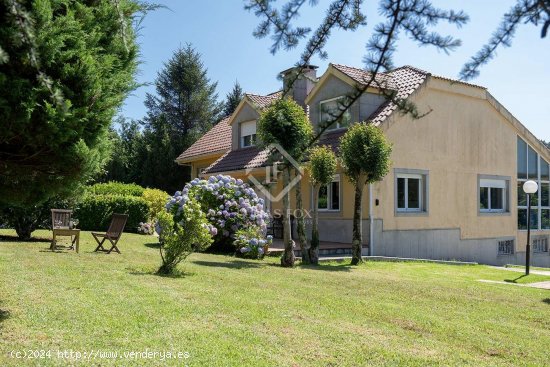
<point x="230" y="312"/>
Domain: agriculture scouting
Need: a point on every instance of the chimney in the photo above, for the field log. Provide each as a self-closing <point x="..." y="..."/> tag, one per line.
<point x="302" y="85"/>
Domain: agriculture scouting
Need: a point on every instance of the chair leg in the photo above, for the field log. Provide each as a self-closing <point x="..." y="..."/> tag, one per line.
<point x="113" y="247"/>
<point x="100" y="244"/>
<point x="52" y="246"/>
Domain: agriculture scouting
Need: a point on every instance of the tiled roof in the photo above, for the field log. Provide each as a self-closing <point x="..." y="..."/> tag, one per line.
<point x="362" y="76"/>
<point x="217" y="139"/>
<point x="406" y="79"/>
<point x="263" y="101"/>
<point x="236" y="160"/>
<point x="253" y="157"/>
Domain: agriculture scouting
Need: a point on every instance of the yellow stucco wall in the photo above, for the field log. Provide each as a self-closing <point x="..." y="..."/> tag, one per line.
<point x="464" y="136"/>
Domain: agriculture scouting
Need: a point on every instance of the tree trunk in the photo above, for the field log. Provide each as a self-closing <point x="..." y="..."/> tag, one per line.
<point x="357" y="240"/>
<point x="300" y="223"/>
<point x="314" y="247"/>
<point x="288" y="256"/>
<point x="24" y="222"/>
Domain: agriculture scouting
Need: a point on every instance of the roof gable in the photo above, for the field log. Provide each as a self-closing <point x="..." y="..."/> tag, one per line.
<point x="255" y="101"/>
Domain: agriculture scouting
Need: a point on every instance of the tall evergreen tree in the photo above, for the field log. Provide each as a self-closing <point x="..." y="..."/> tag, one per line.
<point x="185" y="107"/>
<point x="233" y="99"/>
<point x="65" y="68"/>
<point x="128" y="152"/>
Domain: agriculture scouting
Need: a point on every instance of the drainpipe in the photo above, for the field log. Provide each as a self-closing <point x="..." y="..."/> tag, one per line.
<point x="371" y="224"/>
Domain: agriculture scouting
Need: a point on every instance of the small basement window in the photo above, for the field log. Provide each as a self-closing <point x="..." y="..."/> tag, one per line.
<point x="506" y="247"/>
<point x="540" y="244"/>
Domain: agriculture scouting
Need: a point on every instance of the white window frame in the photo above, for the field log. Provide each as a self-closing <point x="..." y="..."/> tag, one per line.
<point x="253" y="136"/>
<point x="329" y="208"/>
<point x="337" y="125"/>
<point x="423" y="187"/>
<point x="420" y="190"/>
<point x="493" y="182"/>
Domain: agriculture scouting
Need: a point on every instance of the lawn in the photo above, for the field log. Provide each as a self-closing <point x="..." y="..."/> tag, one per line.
<point x="225" y="311"/>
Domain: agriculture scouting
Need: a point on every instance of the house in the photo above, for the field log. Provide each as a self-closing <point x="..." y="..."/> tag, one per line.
<point x="455" y="187"/>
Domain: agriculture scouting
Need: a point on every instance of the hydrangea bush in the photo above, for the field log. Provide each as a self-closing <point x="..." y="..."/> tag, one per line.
<point x="229" y="205"/>
<point x="251" y="243"/>
<point x="145" y="228"/>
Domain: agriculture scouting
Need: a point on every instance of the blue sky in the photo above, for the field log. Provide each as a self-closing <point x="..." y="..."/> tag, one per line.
<point x="221" y="31"/>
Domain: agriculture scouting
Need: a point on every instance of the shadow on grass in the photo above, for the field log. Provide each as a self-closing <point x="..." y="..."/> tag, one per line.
<point x="232" y="264"/>
<point x="175" y="274"/>
<point x="328" y="267"/>
<point x="153" y="245"/>
<point x="515" y="280"/>
<point x="6" y="238"/>
<point x="546" y="300"/>
<point x="4" y="315"/>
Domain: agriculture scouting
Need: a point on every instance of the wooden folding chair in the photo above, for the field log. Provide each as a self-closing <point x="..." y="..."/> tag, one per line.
<point x="113" y="233"/>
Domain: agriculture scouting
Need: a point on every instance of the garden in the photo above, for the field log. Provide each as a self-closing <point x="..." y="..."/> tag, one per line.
<point x="228" y="311"/>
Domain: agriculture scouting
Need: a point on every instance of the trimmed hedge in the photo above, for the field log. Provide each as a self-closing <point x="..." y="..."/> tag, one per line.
<point x="95" y="211"/>
<point x="115" y="188"/>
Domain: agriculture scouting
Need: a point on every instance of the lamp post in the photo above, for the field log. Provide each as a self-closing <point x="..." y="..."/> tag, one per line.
<point x="529" y="187"/>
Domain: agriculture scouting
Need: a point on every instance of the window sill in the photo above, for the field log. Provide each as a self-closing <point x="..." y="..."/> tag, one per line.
<point x="410" y="213"/>
<point x="491" y="214"/>
<point x="329" y="213"/>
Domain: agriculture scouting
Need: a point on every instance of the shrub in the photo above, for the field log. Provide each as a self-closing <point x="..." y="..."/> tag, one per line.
<point x="95" y="211"/>
<point x="183" y="229"/>
<point x="229" y="205"/>
<point x="156" y="200"/>
<point x="251" y="243"/>
<point x="145" y="228"/>
<point x="115" y="188"/>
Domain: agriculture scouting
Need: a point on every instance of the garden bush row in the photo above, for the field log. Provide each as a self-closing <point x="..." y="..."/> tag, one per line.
<point x="102" y="200"/>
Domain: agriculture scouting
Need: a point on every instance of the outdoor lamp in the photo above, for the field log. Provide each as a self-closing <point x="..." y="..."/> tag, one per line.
<point x="530" y="187"/>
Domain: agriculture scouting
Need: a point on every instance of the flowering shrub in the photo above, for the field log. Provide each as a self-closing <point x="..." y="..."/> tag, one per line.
<point x="182" y="230"/>
<point x="229" y="205"/>
<point x="156" y="200"/>
<point x="145" y="228"/>
<point x="251" y="243"/>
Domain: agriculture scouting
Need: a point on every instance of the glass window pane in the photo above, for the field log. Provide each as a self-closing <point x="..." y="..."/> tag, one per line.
<point x="545" y="219"/>
<point x="534" y="218"/>
<point x="544" y="194"/>
<point x="335" y="202"/>
<point x="323" y="198"/>
<point x="544" y="171"/>
<point x="497" y="202"/>
<point x="345" y="120"/>
<point x="401" y="193"/>
<point x="522" y="218"/>
<point x="522" y="159"/>
<point x="534" y="199"/>
<point x="522" y="196"/>
<point x="413" y="190"/>
<point x="532" y="166"/>
<point x="483" y="198"/>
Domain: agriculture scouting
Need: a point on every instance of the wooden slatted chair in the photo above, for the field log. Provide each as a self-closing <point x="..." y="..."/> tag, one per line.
<point x="61" y="226"/>
<point x="113" y="234"/>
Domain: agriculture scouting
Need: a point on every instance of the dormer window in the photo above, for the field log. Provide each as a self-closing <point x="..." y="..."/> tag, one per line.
<point x="331" y="108"/>
<point x="248" y="134"/>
